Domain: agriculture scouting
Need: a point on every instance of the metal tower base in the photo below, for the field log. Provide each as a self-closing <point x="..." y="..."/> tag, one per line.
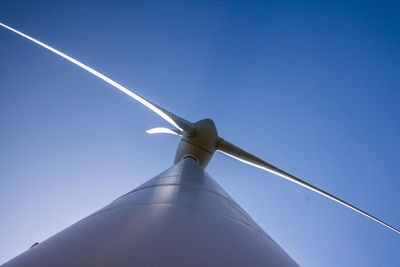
<point x="181" y="217"/>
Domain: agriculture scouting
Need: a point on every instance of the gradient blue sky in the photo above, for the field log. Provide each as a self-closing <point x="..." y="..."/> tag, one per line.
<point x="311" y="87"/>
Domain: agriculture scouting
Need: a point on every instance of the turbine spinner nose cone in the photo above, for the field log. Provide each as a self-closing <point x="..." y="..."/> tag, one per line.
<point x="206" y="133"/>
<point x="206" y="126"/>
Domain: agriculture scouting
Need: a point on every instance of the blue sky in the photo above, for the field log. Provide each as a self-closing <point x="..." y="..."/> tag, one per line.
<point x="311" y="87"/>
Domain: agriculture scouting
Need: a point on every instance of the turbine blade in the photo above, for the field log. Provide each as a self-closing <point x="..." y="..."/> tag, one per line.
<point x="243" y="156"/>
<point x="173" y="119"/>
<point x="159" y="130"/>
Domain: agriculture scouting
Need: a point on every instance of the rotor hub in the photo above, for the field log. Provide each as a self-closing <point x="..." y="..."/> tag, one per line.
<point x="200" y="144"/>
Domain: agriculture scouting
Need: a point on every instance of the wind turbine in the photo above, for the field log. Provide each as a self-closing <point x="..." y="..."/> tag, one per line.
<point x="179" y="217"/>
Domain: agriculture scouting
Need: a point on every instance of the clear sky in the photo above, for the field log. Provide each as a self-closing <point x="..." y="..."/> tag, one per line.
<point x="311" y="87"/>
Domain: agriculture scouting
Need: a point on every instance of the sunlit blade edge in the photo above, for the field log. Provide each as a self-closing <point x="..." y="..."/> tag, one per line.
<point x="158" y="130"/>
<point x="315" y="189"/>
<point x="101" y="76"/>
